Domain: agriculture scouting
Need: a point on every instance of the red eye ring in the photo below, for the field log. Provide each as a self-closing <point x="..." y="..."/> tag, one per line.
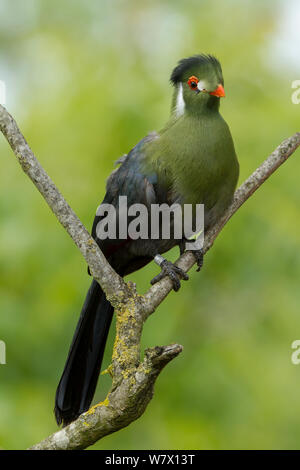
<point x="193" y="82"/>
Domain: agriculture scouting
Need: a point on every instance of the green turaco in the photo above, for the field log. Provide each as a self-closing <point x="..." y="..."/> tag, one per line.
<point x="190" y="161"/>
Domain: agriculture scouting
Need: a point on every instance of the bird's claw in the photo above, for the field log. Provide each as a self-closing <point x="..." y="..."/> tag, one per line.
<point x="173" y="272"/>
<point x="199" y="255"/>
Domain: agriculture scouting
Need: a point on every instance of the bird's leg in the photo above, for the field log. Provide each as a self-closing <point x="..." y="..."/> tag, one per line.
<point x="182" y="246"/>
<point x="171" y="270"/>
<point x="198" y="254"/>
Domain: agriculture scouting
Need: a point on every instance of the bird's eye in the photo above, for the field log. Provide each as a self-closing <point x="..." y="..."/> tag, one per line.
<point x="193" y="82"/>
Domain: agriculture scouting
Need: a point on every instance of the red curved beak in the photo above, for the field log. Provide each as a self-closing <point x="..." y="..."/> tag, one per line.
<point x="219" y="91"/>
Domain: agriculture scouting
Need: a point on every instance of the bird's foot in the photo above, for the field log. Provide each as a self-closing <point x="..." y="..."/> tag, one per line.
<point x="171" y="270"/>
<point x="199" y="256"/>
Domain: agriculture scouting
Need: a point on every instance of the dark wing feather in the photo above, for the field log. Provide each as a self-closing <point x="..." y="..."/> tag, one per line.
<point x="131" y="181"/>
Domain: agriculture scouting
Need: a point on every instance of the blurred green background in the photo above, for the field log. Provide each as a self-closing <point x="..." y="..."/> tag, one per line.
<point x="86" y="80"/>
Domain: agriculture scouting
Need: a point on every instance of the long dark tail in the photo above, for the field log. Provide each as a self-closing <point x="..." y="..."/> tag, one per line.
<point x="79" y="378"/>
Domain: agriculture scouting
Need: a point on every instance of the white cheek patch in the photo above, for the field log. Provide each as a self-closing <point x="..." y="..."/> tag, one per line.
<point x="180" y="103"/>
<point x="201" y="85"/>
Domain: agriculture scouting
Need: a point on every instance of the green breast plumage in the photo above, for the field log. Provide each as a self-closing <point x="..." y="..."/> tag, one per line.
<point x="195" y="160"/>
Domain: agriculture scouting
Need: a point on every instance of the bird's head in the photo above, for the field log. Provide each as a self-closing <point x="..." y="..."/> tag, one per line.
<point x="198" y="82"/>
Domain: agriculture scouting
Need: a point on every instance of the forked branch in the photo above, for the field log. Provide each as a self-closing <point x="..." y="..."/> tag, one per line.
<point x="132" y="379"/>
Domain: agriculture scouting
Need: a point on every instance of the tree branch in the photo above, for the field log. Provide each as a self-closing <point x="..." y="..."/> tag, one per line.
<point x="132" y="379"/>
<point x="157" y="293"/>
<point x="112" y="284"/>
